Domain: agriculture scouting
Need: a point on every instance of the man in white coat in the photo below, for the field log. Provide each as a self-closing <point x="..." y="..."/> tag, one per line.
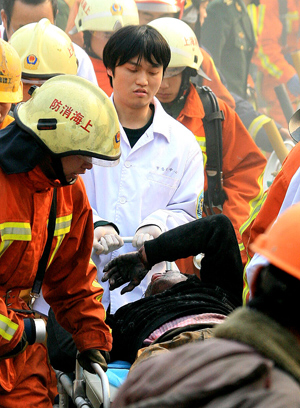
<point x="159" y="182"/>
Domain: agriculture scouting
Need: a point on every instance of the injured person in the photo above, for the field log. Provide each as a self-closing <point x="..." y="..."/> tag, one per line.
<point x="176" y="308"/>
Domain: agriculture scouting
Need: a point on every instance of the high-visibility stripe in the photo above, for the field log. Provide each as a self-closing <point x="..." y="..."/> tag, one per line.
<point x="3" y="246"/>
<point x="7" y="328"/>
<point x="63" y="225"/>
<point x="271" y="68"/>
<point x="15" y="231"/>
<point x="58" y="244"/>
<point x="261" y="17"/>
<point x="257" y="124"/>
<point x="252" y="11"/>
<point x="291" y="17"/>
<point x="202" y="143"/>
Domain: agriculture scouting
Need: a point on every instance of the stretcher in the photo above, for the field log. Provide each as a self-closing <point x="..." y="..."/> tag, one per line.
<point x="91" y="390"/>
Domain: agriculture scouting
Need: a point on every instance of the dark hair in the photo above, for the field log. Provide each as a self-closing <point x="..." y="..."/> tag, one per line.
<point x="136" y="41"/>
<point x="277" y="295"/>
<point x="8" y="6"/>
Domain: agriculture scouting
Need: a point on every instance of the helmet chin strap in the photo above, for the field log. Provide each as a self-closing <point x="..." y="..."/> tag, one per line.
<point x="56" y="165"/>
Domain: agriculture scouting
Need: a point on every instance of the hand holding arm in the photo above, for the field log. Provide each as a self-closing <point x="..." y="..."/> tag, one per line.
<point x="106" y="240"/>
<point x="131" y="267"/>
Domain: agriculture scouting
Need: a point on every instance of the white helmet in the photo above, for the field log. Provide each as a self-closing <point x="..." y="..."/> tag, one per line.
<point x="185" y="51"/>
<point x="106" y="15"/>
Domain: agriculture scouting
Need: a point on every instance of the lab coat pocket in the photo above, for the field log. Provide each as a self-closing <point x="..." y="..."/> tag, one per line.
<point x="162" y="189"/>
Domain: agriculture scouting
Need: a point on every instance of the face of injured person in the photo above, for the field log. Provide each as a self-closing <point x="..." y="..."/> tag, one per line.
<point x="163" y="281"/>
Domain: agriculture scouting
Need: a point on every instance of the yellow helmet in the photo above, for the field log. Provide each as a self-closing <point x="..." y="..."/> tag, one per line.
<point x="45" y="50"/>
<point x="71" y="116"/>
<point x="185" y="51"/>
<point x="11" y="87"/>
<point x="106" y="15"/>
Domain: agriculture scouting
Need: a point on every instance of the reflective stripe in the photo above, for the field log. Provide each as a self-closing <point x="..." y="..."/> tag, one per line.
<point x="271" y="68"/>
<point x="291" y="17"/>
<point x="202" y="143"/>
<point x="15" y="231"/>
<point x="7" y="328"/>
<point x="257" y="124"/>
<point x="3" y="246"/>
<point x="63" y="225"/>
<point x="252" y="11"/>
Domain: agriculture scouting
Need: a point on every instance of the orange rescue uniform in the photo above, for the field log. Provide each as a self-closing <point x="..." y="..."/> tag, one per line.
<point x="268" y="208"/>
<point x="7" y="120"/>
<point x="216" y="85"/>
<point x="101" y="74"/>
<point x="69" y="284"/>
<point x="243" y="163"/>
<point x="270" y="54"/>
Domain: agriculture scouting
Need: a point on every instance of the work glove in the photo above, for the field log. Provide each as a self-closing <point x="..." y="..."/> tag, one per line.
<point x="144" y="234"/>
<point x="86" y="357"/>
<point x="106" y="240"/>
<point x="131" y="267"/>
<point x="293" y="85"/>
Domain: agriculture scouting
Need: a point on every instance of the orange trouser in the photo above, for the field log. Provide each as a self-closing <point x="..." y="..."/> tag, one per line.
<point x="27" y="380"/>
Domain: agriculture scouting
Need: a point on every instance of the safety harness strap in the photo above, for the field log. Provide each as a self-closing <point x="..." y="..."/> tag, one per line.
<point x="45" y="257"/>
<point x="212" y="122"/>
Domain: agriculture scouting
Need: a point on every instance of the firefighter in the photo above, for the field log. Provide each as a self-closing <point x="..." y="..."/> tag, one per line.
<point x="11" y="88"/>
<point x="98" y="20"/>
<point x="282" y="193"/>
<point x="151" y="10"/>
<point x="67" y="125"/>
<point x="243" y="163"/>
<point x="17" y="13"/>
<point x="45" y="51"/>
<point x="278" y="39"/>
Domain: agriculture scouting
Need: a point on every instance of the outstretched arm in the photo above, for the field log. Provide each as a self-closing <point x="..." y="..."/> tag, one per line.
<point x="214" y="236"/>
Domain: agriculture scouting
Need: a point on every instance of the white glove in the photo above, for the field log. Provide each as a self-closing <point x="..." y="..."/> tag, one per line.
<point x="106" y="240"/>
<point x="145" y="234"/>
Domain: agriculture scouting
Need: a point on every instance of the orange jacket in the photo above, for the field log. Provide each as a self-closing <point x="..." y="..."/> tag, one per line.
<point x="69" y="285"/>
<point x="215" y="84"/>
<point x="270" y="53"/>
<point x="101" y="74"/>
<point x="268" y="208"/>
<point x="243" y="163"/>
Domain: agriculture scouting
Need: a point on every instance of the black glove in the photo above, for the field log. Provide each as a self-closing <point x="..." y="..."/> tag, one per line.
<point x="131" y="267"/>
<point x="93" y="356"/>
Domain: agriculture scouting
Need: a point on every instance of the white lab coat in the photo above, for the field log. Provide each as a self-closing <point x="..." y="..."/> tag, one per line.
<point x="159" y="181"/>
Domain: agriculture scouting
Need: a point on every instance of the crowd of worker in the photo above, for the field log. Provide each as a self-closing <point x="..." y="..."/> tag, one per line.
<point x="135" y="132"/>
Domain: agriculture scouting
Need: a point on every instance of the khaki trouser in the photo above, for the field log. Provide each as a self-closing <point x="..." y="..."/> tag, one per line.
<point x="183" y="338"/>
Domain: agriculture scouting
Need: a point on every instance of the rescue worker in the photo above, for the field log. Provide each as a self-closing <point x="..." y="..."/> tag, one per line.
<point x="243" y="164"/>
<point x="11" y="88"/>
<point x="17" y="13"/>
<point x="151" y="10"/>
<point x="45" y="51"/>
<point x="42" y="154"/>
<point x="282" y="193"/>
<point x="278" y="39"/>
<point x="254" y="359"/>
<point x="98" y="20"/>
<point x="228" y="34"/>
<point x="159" y="182"/>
